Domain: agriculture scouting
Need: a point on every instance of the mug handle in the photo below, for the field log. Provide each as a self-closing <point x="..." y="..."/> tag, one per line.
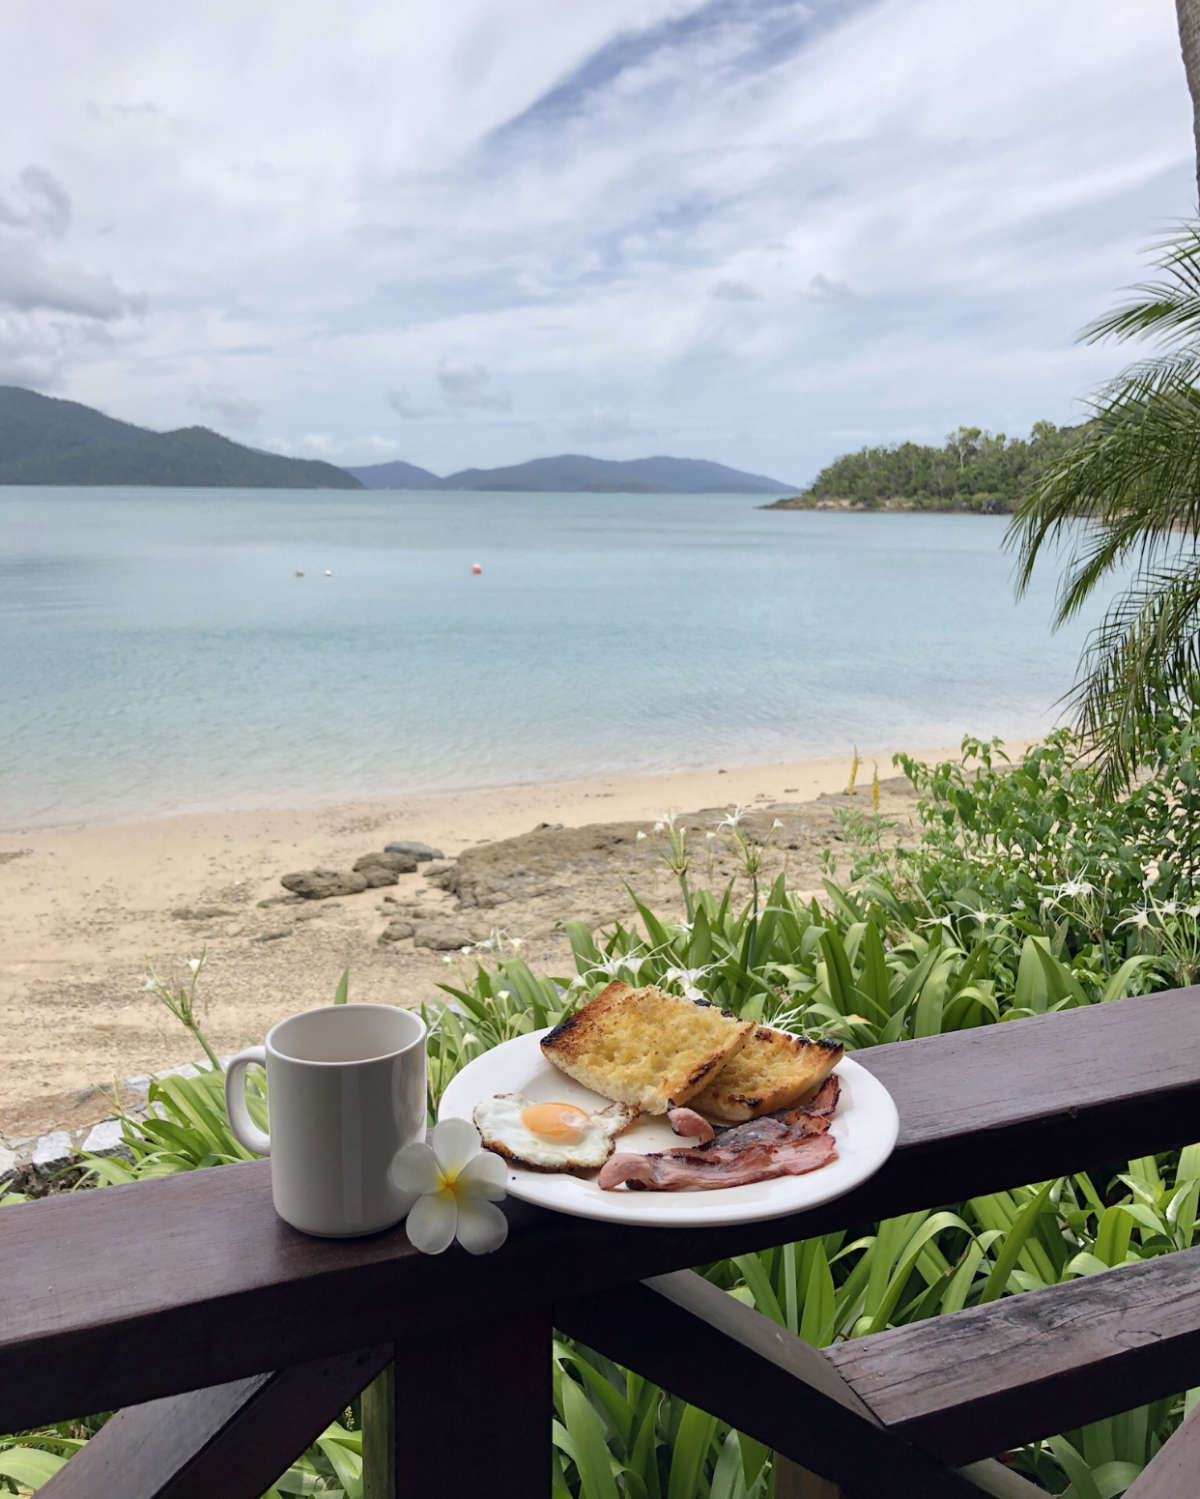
<point x="240" y="1122"/>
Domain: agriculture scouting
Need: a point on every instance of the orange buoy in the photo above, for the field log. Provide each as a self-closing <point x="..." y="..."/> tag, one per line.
<point x="475" y="567"/>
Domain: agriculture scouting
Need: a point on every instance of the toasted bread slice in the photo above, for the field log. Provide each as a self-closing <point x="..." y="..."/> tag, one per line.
<point x="644" y="1047"/>
<point x="771" y="1071"/>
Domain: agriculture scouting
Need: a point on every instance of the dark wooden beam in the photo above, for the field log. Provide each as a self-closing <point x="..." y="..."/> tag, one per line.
<point x="234" y="1440"/>
<point x="1174" y="1472"/>
<point x="473" y="1411"/>
<point x="1028" y="1366"/>
<point x="706" y="1346"/>
<point x="123" y="1294"/>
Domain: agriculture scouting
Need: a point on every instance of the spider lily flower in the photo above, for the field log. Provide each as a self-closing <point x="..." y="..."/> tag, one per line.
<point x="731" y="819"/>
<point x="639" y="836"/>
<point x="1139" y="918"/>
<point x="686" y="978"/>
<point x="452" y="1186"/>
<point x="615" y="961"/>
<point x="945" y="921"/>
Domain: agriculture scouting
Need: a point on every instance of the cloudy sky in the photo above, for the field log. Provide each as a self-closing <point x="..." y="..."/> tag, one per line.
<point x="757" y="231"/>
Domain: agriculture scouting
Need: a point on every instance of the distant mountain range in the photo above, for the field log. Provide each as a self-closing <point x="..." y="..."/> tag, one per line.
<point x="574" y="473"/>
<point x="48" y="441"/>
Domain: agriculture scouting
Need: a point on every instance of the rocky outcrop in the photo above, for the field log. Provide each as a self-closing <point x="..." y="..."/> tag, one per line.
<point x="442" y="936"/>
<point x="421" y="852"/>
<point x="321" y="884"/>
<point x="396" y="861"/>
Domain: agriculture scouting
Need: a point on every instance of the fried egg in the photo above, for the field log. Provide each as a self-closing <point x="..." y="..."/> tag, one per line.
<point x="550" y="1136"/>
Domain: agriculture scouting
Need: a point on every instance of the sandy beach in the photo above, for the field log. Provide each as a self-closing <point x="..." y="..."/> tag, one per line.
<point x="86" y="908"/>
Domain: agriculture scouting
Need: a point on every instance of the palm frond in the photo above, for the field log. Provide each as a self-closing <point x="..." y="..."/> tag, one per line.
<point x="1165" y="308"/>
<point x="1135" y="474"/>
<point x="1143" y="658"/>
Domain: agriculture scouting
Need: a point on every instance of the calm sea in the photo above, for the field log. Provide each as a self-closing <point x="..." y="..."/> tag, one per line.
<point x="158" y="652"/>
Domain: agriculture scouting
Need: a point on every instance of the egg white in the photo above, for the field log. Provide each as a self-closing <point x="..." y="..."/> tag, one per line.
<point x="502" y="1129"/>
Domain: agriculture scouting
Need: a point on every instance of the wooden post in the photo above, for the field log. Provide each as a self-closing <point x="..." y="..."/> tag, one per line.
<point x="794" y="1482"/>
<point x="379" y="1436"/>
<point x="473" y="1409"/>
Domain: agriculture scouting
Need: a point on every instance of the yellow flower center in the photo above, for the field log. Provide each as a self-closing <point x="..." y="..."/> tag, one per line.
<point x="448" y="1187"/>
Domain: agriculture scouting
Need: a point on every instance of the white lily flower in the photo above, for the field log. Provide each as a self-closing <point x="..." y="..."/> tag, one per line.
<point x="1139" y="918"/>
<point x="194" y="964"/>
<point x="1169" y="908"/>
<point x="453" y="1185"/>
<point x="516" y="943"/>
<point x="640" y="835"/>
<point x="503" y="993"/>
<point x="778" y="823"/>
<point x="150" y="984"/>
<point x="1192" y="911"/>
<point x="732" y="819"/>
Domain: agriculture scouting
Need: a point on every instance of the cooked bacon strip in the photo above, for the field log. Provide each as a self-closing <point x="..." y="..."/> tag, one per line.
<point x="822" y="1103"/>
<point x="689" y="1124"/>
<point x="718" y="1166"/>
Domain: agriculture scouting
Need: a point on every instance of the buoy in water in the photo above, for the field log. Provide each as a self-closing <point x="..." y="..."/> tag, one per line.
<point x="475" y="567"/>
<point x="328" y="574"/>
<point x="299" y="572"/>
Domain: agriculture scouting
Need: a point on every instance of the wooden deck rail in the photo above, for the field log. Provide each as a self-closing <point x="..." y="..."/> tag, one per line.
<point x="124" y="1296"/>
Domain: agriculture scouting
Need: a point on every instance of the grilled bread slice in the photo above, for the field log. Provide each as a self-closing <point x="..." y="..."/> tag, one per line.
<point x="644" y="1047"/>
<point x="771" y="1071"/>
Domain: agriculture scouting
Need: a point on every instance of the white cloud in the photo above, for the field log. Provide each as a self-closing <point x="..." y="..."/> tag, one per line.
<point x="231" y="409"/>
<point x="749" y="227"/>
<point x="470" y="386"/>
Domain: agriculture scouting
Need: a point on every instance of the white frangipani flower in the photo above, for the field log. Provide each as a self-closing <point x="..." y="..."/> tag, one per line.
<point x="452" y="1186"/>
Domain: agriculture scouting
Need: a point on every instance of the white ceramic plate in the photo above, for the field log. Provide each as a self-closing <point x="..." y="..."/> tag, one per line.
<point x="865" y="1127"/>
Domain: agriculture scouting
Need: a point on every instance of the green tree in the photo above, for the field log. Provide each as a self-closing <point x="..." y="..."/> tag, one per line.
<point x="1126" y="497"/>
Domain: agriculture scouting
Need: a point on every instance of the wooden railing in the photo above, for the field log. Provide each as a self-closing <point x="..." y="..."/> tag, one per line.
<point x="228" y="1341"/>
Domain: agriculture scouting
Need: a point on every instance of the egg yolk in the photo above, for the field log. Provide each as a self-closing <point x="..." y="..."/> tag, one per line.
<point x="555" y="1121"/>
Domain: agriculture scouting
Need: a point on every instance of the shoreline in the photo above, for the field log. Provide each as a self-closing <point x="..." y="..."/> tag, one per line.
<point x="87" y="907"/>
<point x="636" y="791"/>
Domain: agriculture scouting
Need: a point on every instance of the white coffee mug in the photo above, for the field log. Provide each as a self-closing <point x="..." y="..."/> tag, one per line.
<point x="345" y="1092"/>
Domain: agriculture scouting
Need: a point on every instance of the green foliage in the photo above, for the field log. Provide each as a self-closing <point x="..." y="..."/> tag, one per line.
<point x="1127" y="495"/>
<point x="1024" y="894"/>
<point x="976" y="470"/>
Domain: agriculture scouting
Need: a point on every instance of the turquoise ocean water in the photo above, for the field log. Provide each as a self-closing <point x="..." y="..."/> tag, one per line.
<point x="158" y="653"/>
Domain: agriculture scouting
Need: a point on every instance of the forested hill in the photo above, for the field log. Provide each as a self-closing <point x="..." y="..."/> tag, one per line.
<point x="975" y="471"/>
<point x="47" y="441"/>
